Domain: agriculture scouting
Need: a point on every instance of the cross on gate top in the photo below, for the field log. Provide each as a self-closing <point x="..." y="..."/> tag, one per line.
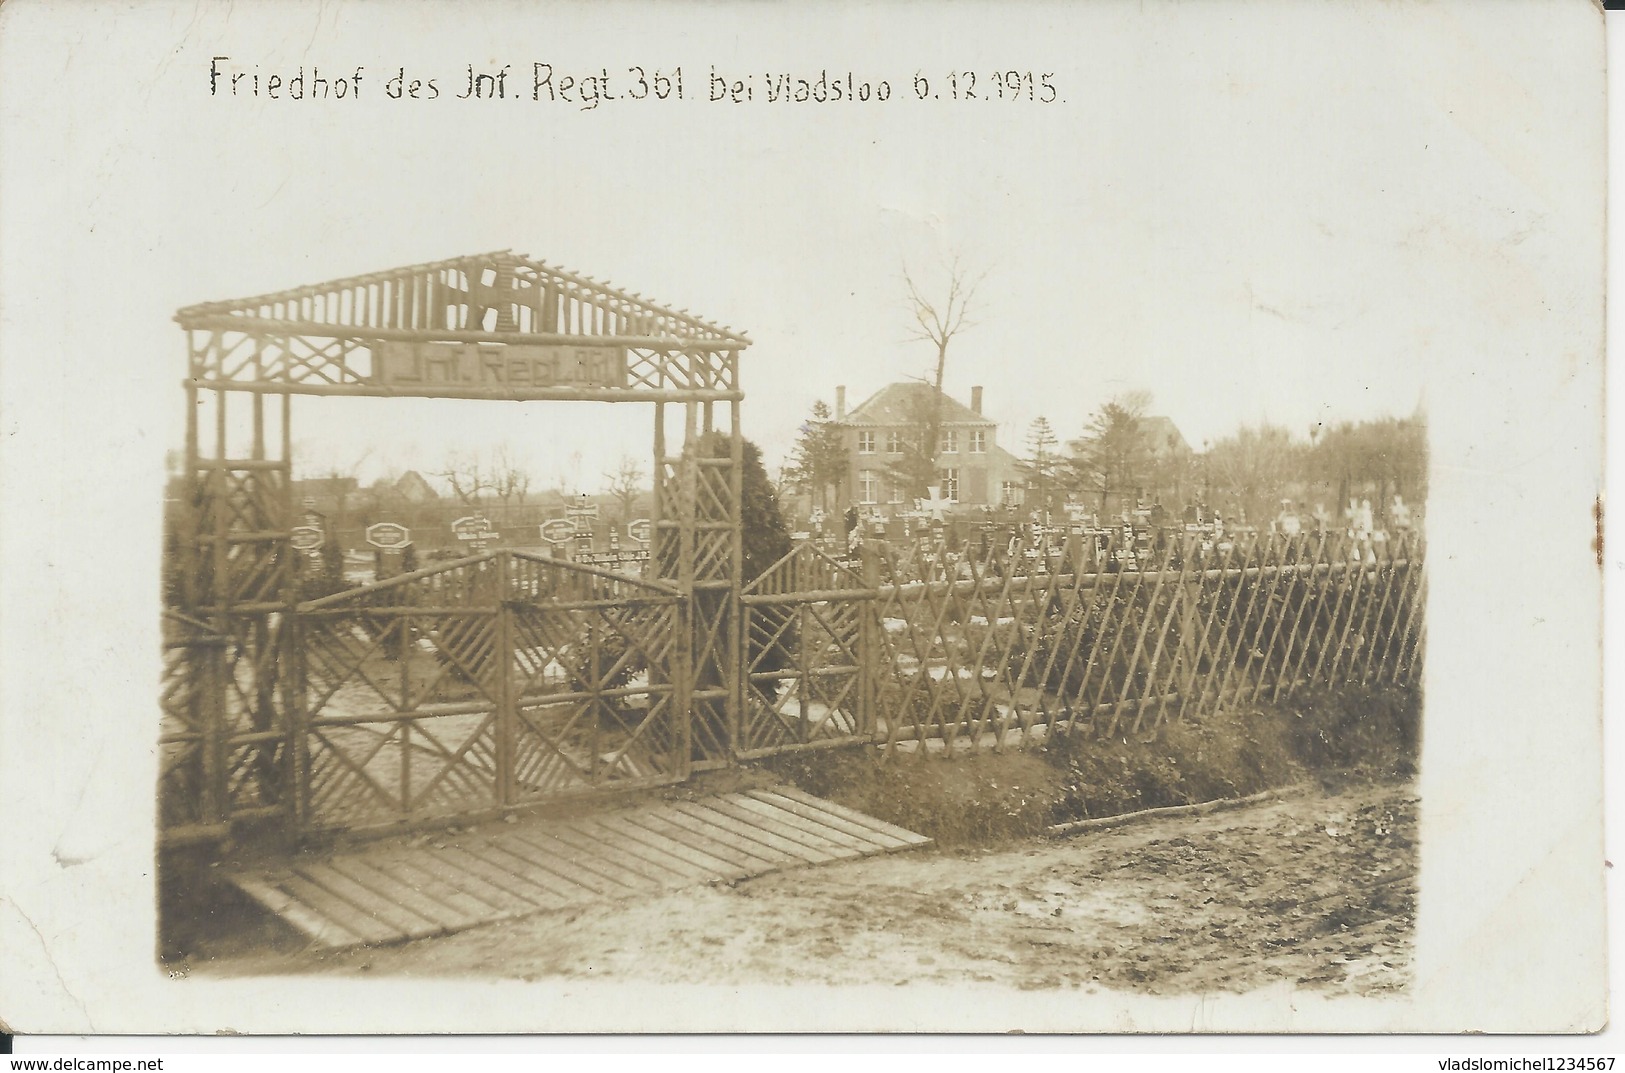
<point x="933" y="504"/>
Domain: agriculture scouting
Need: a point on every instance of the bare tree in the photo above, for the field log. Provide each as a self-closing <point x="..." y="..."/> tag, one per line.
<point x="938" y="321"/>
<point x="378" y="496"/>
<point x="467" y="476"/>
<point x="626" y="485"/>
<point x="509" y="480"/>
<point x="1253" y="467"/>
<point x="1384" y="455"/>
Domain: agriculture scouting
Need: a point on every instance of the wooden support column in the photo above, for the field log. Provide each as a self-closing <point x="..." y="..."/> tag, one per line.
<point x="200" y="659"/>
<point x="737" y="657"/>
<point x="187" y="546"/>
<point x="219" y="595"/>
<point x="292" y="656"/>
<point x="658" y="489"/>
<point x="685" y="669"/>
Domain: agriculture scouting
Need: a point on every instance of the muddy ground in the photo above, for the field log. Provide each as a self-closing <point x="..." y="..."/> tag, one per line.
<point x="1316" y="890"/>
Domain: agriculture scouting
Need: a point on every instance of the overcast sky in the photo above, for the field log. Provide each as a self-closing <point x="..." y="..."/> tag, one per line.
<point x="1250" y="227"/>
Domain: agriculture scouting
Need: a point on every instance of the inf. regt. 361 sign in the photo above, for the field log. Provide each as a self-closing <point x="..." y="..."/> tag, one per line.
<point x="495" y="367"/>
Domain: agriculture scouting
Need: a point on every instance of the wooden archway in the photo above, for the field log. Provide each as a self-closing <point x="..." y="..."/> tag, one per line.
<point x="498" y="326"/>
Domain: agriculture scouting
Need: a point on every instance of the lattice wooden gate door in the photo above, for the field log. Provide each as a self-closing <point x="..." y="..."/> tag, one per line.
<point x="808" y="633"/>
<point x="484" y="684"/>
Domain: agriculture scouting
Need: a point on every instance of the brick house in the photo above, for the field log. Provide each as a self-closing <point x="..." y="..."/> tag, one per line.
<point x="973" y="469"/>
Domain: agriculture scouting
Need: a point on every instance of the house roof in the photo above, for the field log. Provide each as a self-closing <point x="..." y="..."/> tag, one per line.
<point x="1163" y="435"/>
<point x="412" y="479"/>
<point x="901" y="404"/>
<point x="526" y="296"/>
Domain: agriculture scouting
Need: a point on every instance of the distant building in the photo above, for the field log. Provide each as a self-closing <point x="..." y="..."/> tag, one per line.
<point x="1163" y="439"/>
<point x="1163" y="470"/>
<point x="972" y="469"/>
<point x="1170" y="470"/>
<point x="414" y="489"/>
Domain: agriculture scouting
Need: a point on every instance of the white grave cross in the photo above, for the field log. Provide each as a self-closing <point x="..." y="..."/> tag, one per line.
<point x="933" y="504"/>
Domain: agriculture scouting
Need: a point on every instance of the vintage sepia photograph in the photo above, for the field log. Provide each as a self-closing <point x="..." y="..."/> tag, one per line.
<point x="841" y="507"/>
<point x="1014" y="677"/>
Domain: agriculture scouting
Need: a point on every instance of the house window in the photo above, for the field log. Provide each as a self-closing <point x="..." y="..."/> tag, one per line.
<point x="894" y="443"/>
<point x="950" y="483"/>
<point x="868" y="487"/>
<point x="978" y="441"/>
<point x="866" y="443"/>
<point x="950" y="441"/>
<point x="896" y="493"/>
<point x="1010" y="493"/>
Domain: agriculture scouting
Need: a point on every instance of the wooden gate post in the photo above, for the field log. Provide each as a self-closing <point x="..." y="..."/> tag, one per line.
<point x="214" y="811"/>
<point x="292" y="658"/>
<point x="688" y="498"/>
<point x="870" y="639"/>
<point x="738" y="654"/>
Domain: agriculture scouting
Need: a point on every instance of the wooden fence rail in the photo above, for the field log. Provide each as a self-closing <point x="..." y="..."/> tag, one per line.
<point x="1116" y="636"/>
<point x="507" y="678"/>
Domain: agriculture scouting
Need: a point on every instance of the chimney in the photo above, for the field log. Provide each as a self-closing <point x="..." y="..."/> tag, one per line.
<point x="840" y="403"/>
<point x="976" y="400"/>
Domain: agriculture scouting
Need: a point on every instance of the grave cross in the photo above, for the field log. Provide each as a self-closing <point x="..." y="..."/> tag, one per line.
<point x="933" y="504"/>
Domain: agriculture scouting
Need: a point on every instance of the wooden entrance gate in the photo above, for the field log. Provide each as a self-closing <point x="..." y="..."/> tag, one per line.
<point x="482" y="684"/>
<point x="808" y="633"/>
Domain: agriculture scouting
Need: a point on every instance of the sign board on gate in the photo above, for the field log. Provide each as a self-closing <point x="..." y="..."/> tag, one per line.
<point x="473" y="527"/>
<point x="558" y="530"/>
<point x="388" y="535"/>
<point x="305" y="538"/>
<point x="582" y="512"/>
<point x="496" y="369"/>
<point x="640" y="529"/>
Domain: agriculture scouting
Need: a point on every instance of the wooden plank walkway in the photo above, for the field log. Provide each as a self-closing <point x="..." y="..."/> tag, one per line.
<point x="393" y="893"/>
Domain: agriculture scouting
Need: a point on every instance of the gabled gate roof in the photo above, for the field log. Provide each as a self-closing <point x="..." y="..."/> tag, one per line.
<point x="501" y="292"/>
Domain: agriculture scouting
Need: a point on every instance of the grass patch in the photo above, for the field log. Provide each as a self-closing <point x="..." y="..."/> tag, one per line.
<point x="987" y="797"/>
<point x="1228" y="754"/>
<point x="971" y="800"/>
<point x="1376" y="732"/>
<point x="1369" y="733"/>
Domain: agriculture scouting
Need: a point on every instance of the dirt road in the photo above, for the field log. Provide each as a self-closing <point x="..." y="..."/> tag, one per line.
<point x="1315" y="890"/>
